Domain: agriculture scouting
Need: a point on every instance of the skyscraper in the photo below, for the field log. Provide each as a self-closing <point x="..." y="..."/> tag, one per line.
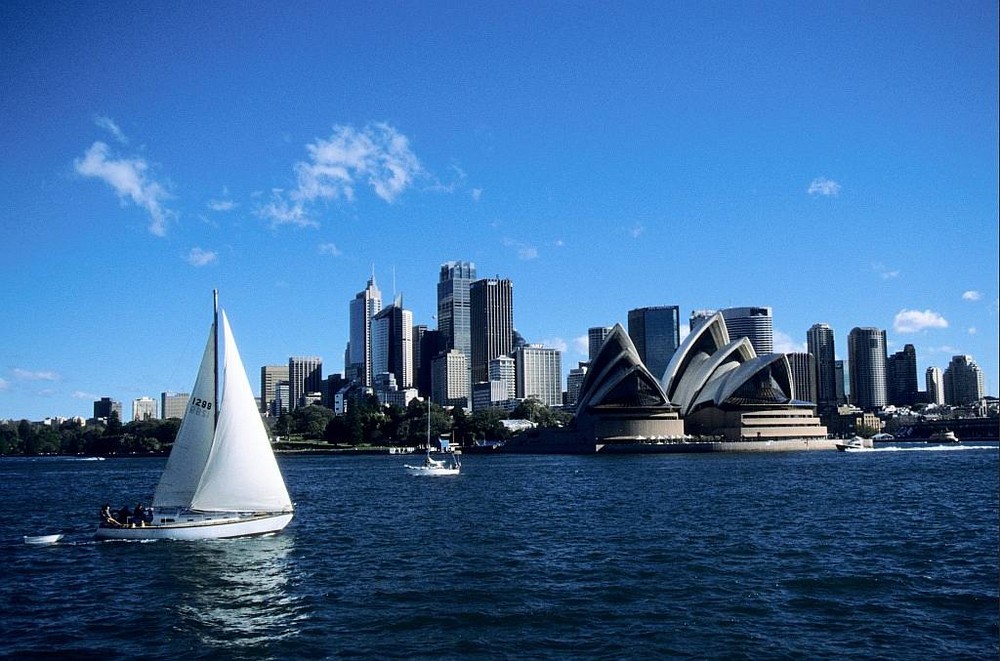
<point x="105" y="406"/>
<point x="655" y="332"/>
<point x="539" y="374"/>
<point x="491" y="322"/>
<point x="364" y="307"/>
<point x="963" y="381"/>
<point x="453" y="304"/>
<point x="173" y="404"/>
<point x="901" y="377"/>
<point x="803" y="367"/>
<point x="820" y="343"/>
<point x="270" y="377"/>
<point x="866" y="364"/>
<point x="143" y="408"/>
<point x="450" y="379"/>
<point x="754" y="323"/>
<point x="305" y="375"/>
<point x="392" y="343"/>
<point x="934" y="381"/>
<point x="595" y="338"/>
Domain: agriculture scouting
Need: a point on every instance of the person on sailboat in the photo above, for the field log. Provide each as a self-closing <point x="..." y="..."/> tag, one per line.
<point x="106" y="517"/>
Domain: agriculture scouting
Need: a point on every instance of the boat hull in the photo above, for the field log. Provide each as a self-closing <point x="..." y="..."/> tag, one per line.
<point x="432" y="472"/>
<point x="203" y="527"/>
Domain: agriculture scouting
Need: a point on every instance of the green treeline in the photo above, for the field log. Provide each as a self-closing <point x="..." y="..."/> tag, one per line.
<point x="367" y="422"/>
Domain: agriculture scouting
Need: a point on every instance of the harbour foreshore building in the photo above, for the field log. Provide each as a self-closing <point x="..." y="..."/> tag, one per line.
<point x="173" y="404"/>
<point x="270" y="377"/>
<point x="144" y="408"/>
<point x="305" y="376"/>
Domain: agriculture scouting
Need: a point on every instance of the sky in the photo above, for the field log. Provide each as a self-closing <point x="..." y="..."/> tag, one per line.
<point x="836" y="162"/>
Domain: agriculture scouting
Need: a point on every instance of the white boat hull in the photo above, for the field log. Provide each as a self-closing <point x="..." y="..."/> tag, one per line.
<point x="202" y="526"/>
<point x="42" y="539"/>
<point x="432" y="472"/>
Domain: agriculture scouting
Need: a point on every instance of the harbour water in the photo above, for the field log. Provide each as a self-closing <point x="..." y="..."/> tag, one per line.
<point x="889" y="554"/>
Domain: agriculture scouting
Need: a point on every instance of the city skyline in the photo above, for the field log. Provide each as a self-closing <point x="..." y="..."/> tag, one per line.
<point x="837" y="165"/>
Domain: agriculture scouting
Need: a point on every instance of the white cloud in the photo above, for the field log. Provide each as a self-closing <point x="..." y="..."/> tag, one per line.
<point x="79" y="394"/>
<point x="28" y="375"/>
<point x="525" y="252"/>
<point x="130" y="180"/>
<point x="973" y="330"/>
<point x="4" y="384"/>
<point x="971" y="295"/>
<point x="636" y="231"/>
<point x="282" y="212"/>
<point x="111" y="127"/>
<point x="884" y="271"/>
<point x="329" y="249"/>
<point x="223" y="203"/>
<point x="554" y="343"/>
<point x="581" y="345"/>
<point x="824" y="186"/>
<point x="199" y="257"/>
<point x="914" y="321"/>
<point x="477" y="193"/>
<point x="783" y="343"/>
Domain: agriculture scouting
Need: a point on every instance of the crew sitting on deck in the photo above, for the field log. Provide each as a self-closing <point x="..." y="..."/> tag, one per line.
<point x="106" y="518"/>
<point x="139" y="515"/>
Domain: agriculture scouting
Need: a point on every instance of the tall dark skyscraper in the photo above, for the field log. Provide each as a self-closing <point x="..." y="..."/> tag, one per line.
<point x="754" y="323"/>
<point x="453" y="304"/>
<point x="656" y="334"/>
<point x="866" y="364"/>
<point x="819" y="340"/>
<point x="901" y="377"/>
<point x="491" y="319"/>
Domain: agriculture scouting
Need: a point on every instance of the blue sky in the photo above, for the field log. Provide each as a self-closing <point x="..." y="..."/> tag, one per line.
<point x="838" y="163"/>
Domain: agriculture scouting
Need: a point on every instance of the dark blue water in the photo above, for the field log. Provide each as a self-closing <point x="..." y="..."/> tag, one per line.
<point x="815" y="554"/>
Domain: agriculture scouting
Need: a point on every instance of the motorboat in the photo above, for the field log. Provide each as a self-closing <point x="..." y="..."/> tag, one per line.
<point x="856" y="444"/>
<point x="221" y="478"/>
<point x="944" y="436"/>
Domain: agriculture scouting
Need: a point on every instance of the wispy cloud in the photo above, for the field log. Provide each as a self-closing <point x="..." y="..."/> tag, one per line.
<point x="914" y="321"/>
<point x="554" y="343"/>
<point x="377" y="155"/>
<point x="824" y="186"/>
<point x="199" y="257"/>
<point x="32" y="375"/>
<point x="223" y="203"/>
<point x="524" y="251"/>
<point x="130" y="179"/>
<point x="4" y="384"/>
<point x="784" y="343"/>
<point x="111" y="127"/>
<point x="971" y="295"/>
<point x="581" y="345"/>
<point x="885" y="272"/>
<point x="973" y="330"/>
<point x="329" y="249"/>
<point x="476" y="193"/>
<point x="636" y="231"/>
<point x="79" y="394"/>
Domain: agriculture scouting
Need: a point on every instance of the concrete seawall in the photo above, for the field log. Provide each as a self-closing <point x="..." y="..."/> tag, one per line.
<point x="784" y="445"/>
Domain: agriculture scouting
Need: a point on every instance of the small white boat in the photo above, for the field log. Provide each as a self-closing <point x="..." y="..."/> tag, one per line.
<point x="946" y="436"/>
<point x="221" y="479"/>
<point x="42" y="539"/>
<point x="856" y="444"/>
<point x="437" y="467"/>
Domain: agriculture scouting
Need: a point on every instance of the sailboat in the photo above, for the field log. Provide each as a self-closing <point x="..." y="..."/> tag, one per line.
<point x="221" y="479"/>
<point x="435" y="467"/>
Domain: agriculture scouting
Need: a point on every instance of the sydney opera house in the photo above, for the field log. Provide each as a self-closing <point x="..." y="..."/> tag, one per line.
<point x="714" y="390"/>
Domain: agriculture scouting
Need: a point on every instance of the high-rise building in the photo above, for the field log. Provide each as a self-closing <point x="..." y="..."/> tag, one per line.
<point x="392" y="343"/>
<point x="450" y="379"/>
<point x="866" y="357"/>
<point x="502" y="370"/>
<point x="430" y="346"/>
<point x="491" y="324"/>
<point x="963" y="381"/>
<point x="305" y="376"/>
<point x="595" y="338"/>
<point x="754" y="323"/>
<point x="934" y="382"/>
<point x="539" y="374"/>
<point x="144" y="408"/>
<point x="573" y="382"/>
<point x="105" y="406"/>
<point x="270" y="377"/>
<point x="803" y="367"/>
<point x="173" y="404"/>
<point x="455" y="280"/>
<point x="840" y="384"/>
<point x="364" y="307"/>
<point x="901" y="377"/>
<point x="820" y="343"/>
<point x="656" y="334"/>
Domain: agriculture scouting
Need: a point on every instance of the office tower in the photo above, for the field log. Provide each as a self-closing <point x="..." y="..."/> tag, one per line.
<point x="270" y="377"/>
<point x="655" y="332"/>
<point x="901" y="377"/>
<point x="595" y="338"/>
<point x="803" y="367"/>
<point x="819" y="341"/>
<point x="105" y="406"/>
<point x="934" y="382"/>
<point x="491" y="324"/>
<point x="173" y="404"/>
<point x="698" y="317"/>
<point x="502" y="370"/>
<point x="392" y="343"/>
<point x="450" y="379"/>
<point x="573" y="382"/>
<point x="840" y="381"/>
<point x="364" y="307"/>
<point x="754" y="323"/>
<point x="431" y="345"/>
<point x="866" y="364"/>
<point x="963" y="381"/>
<point x="144" y="408"/>
<point x="539" y="374"/>
<point x="305" y="376"/>
<point x="453" y="304"/>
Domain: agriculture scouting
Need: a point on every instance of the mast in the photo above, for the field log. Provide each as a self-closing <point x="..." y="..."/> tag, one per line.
<point x="215" y="340"/>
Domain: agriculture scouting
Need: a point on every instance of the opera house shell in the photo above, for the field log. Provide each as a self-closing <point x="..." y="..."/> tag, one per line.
<point x="713" y="389"/>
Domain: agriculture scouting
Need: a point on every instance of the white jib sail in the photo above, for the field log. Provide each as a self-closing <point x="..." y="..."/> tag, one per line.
<point x="242" y="473"/>
<point x="189" y="455"/>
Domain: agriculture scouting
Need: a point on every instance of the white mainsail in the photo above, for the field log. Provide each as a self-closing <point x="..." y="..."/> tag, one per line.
<point x="241" y="473"/>
<point x="222" y="459"/>
<point x="189" y="455"/>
